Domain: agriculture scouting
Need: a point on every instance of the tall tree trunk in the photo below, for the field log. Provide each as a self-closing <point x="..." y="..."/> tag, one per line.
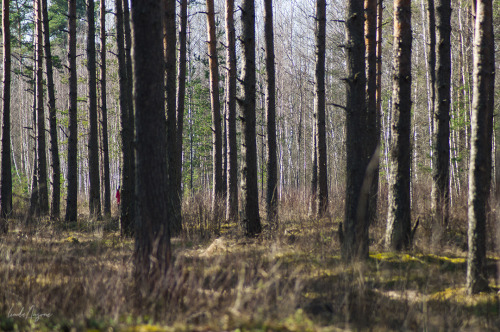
<point x="431" y="64"/>
<point x="249" y="189"/>
<point x="152" y="242"/>
<point x="313" y="206"/>
<point x="481" y="145"/>
<point x="170" y="40"/>
<point x="181" y="95"/>
<point x="355" y="243"/>
<point x="272" y="163"/>
<point x="232" y="153"/>
<point x="371" y="99"/>
<point x="54" y="146"/>
<point x="72" y="198"/>
<point x="127" y="135"/>
<point x="215" y="105"/>
<point x="6" y="179"/>
<point x="441" y="175"/>
<point x="93" y="145"/>
<point x="399" y="217"/>
<point x="43" y="195"/>
<point x="104" y="111"/>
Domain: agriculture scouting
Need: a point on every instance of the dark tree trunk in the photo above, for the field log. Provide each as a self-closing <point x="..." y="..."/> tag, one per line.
<point x="6" y="179"/>
<point x="181" y="95"/>
<point x="104" y="111"/>
<point x="169" y="38"/>
<point x="127" y="123"/>
<point x="54" y="146"/>
<point x="152" y="248"/>
<point x="319" y="107"/>
<point x="441" y="174"/>
<point x="93" y="145"/>
<point x="371" y="100"/>
<point x="355" y="243"/>
<point x="215" y="105"/>
<point x="72" y="199"/>
<point x="313" y="206"/>
<point x="232" y="153"/>
<point x="272" y="163"/>
<point x="481" y="145"/>
<point x="43" y="192"/>
<point x="249" y="189"/>
<point x="399" y="215"/>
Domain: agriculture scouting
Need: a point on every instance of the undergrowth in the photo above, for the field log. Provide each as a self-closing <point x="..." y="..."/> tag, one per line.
<point x="79" y="276"/>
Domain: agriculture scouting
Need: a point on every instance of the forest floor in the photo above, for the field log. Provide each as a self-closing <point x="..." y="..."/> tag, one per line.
<point x="79" y="277"/>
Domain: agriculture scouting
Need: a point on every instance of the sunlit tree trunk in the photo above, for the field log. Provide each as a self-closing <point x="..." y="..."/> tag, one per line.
<point x="249" y="189"/>
<point x="215" y="105"/>
<point x="481" y="145"/>
<point x="152" y="242"/>
<point x="399" y="216"/>
<point x="54" y="146"/>
<point x="72" y="198"/>
<point x="232" y="183"/>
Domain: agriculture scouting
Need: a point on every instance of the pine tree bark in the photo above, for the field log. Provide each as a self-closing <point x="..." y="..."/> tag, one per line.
<point x="170" y="40"/>
<point x="72" y="198"/>
<point x="104" y="112"/>
<point x="93" y="144"/>
<point x="152" y="246"/>
<point x="43" y="195"/>
<point x="6" y="179"/>
<point x="232" y="153"/>
<point x="355" y="243"/>
<point x="399" y="216"/>
<point x="127" y="134"/>
<point x="272" y="163"/>
<point x="481" y="145"/>
<point x="54" y="146"/>
<point x="249" y="189"/>
<point x="218" y="189"/>
<point x="441" y="175"/>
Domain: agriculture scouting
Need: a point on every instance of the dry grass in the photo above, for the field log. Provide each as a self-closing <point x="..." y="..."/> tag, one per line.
<point x="289" y="279"/>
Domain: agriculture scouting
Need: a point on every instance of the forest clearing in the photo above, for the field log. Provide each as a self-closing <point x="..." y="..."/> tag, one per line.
<point x="277" y="165"/>
<point x="289" y="279"/>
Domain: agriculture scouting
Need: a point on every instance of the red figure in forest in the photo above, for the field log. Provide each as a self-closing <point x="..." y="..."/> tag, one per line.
<point x="118" y="196"/>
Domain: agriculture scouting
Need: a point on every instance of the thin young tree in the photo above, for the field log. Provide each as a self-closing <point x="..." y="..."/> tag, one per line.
<point x="43" y="192"/>
<point x="127" y="134"/>
<point x="93" y="144"/>
<point x="481" y="145"/>
<point x="272" y="162"/>
<point x="232" y="152"/>
<point x="54" y="146"/>
<point x="398" y="233"/>
<point x="441" y="173"/>
<point x="170" y="40"/>
<point x="104" y="112"/>
<point x="72" y="196"/>
<point x="355" y="243"/>
<point x="6" y="179"/>
<point x="181" y="95"/>
<point x="319" y="108"/>
<point x="152" y="246"/>
<point x="371" y="99"/>
<point x="247" y="101"/>
<point x="218" y="189"/>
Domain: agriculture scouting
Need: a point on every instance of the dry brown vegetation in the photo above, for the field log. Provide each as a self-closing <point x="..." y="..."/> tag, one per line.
<point x="288" y="279"/>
